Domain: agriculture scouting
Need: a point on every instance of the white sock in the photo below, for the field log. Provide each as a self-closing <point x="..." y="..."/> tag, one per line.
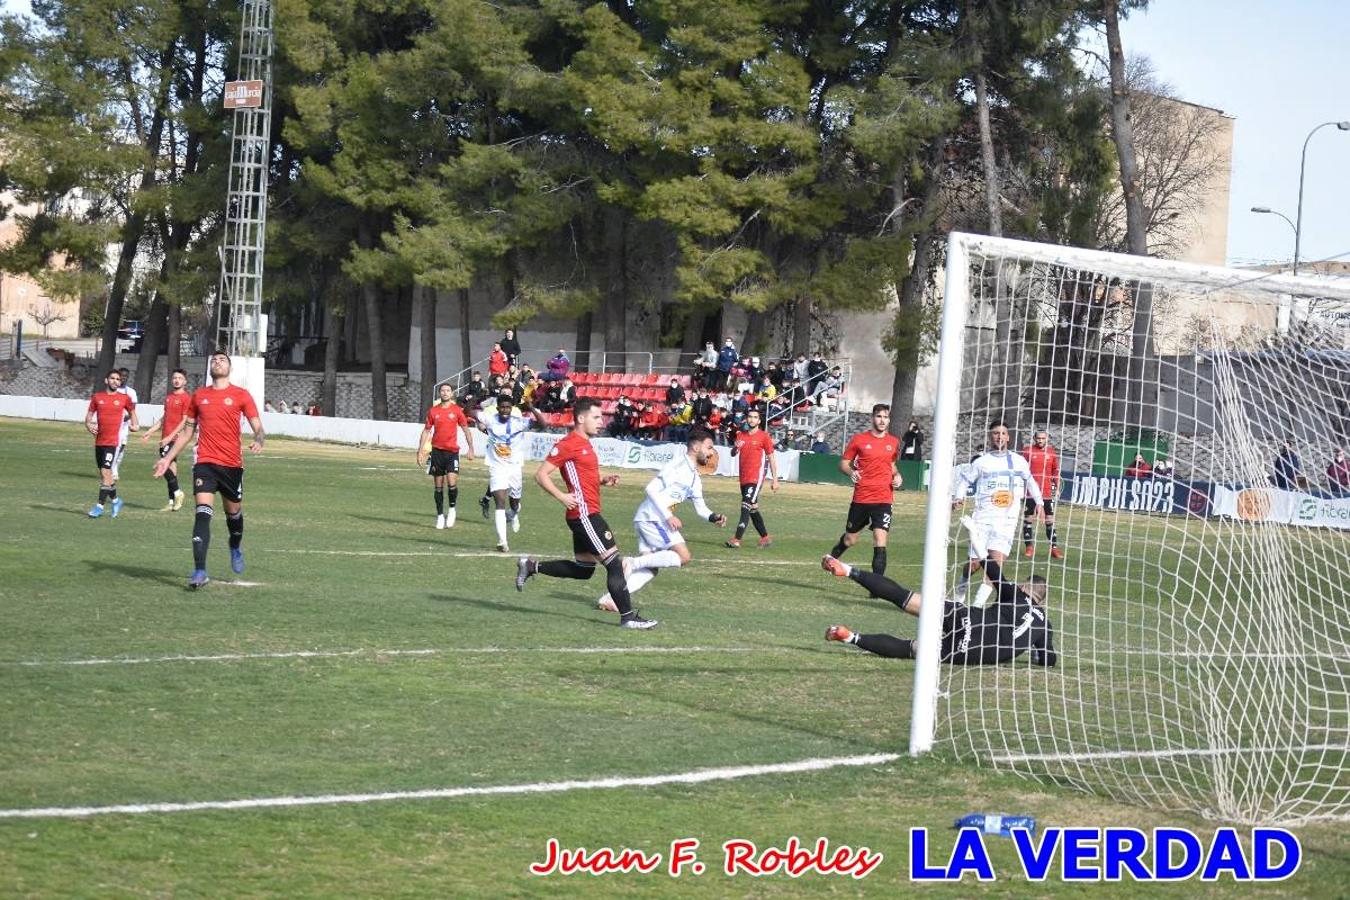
<point x="500" y="522"/>
<point x="661" y="559"/>
<point x="637" y="579"/>
<point x="982" y="595"/>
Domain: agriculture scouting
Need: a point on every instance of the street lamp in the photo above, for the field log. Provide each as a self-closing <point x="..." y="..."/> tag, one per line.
<point x="1271" y="212"/>
<point x="1302" y="166"/>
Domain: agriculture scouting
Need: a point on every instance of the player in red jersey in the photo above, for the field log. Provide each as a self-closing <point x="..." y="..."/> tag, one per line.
<point x="445" y="420"/>
<point x="592" y="540"/>
<point x="107" y="409"/>
<point x="213" y="416"/>
<point x="869" y="460"/>
<point x="754" y="448"/>
<point x="1044" y="462"/>
<point x="176" y="404"/>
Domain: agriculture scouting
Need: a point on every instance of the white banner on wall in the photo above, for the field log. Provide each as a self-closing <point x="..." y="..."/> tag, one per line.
<point x="628" y="455"/>
<point x="1268" y="504"/>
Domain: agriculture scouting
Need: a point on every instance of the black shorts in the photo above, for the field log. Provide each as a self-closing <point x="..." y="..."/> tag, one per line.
<point x="1029" y="508"/>
<point x="208" y="478"/>
<point x="750" y="492"/>
<point x="104" y="457"/>
<point x="591" y="535"/>
<point x="876" y="516"/>
<point x="443" y="462"/>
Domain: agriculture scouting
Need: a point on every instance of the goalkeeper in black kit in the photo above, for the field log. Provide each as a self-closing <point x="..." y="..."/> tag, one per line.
<point x="1014" y="624"/>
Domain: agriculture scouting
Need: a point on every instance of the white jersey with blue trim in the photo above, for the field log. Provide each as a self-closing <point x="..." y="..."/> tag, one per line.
<point x="1000" y="479"/>
<point x="505" y="440"/>
<point x="677" y="482"/>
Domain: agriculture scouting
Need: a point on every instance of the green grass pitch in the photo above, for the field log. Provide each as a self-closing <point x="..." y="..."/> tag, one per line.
<point x="342" y="556"/>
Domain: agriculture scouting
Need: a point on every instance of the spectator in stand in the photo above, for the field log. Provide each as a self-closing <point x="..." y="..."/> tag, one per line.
<point x="705" y="365"/>
<point x="819" y="445"/>
<point x="1288" y="469"/>
<point x="797" y="396"/>
<point x="529" y="390"/>
<point x="269" y="406"/>
<point x="1163" y="468"/>
<point x="740" y="375"/>
<point x="498" y="364"/>
<point x="674" y="393"/>
<point x="1338" y="474"/>
<point x="726" y="359"/>
<point x="775" y="376"/>
<point x="567" y="393"/>
<point x="654" y="422"/>
<point x="681" y="418"/>
<point x="832" y="388"/>
<point x="316" y="410"/>
<point x="800" y="368"/>
<point x="766" y="389"/>
<point x="558" y="367"/>
<point x="702" y="407"/>
<point x="1139" y="468"/>
<point x="625" y="416"/>
<point x="472" y="394"/>
<point x="815" y="374"/>
<point x="911" y="445"/>
<point x="510" y="346"/>
<point x="715" y="425"/>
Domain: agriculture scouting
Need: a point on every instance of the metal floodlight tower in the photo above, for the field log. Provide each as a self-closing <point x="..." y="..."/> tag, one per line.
<point x="241" y="329"/>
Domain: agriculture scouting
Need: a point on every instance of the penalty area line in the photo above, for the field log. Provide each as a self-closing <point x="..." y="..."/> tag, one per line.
<point x="698" y="776"/>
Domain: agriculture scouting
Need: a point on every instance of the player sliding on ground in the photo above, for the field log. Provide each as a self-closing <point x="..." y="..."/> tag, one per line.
<point x="1001" y="478"/>
<point x="1017" y="623"/>
<point x="507" y="429"/>
<point x="592" y="539"/>
<point x="660" y="543"/>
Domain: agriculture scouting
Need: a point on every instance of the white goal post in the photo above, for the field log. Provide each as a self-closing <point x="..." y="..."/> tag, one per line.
<point x="1201" y="612"/>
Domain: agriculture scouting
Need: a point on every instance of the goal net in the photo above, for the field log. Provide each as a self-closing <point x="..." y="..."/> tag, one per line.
<point x="1201" y="609"/>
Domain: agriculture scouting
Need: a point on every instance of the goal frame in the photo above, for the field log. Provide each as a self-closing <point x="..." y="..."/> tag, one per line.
<point x="961" y="247"/>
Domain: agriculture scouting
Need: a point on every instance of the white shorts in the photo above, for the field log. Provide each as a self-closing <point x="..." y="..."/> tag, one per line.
<point x="996" y="536"/>
<point x="505" y="478"/>
<point x="653" y="536"/>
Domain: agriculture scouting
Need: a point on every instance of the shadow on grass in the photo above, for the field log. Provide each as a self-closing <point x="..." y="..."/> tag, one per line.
<point x="140" y="573"/>
<point x="81" y="511"/>
<point x="502" y="606"/>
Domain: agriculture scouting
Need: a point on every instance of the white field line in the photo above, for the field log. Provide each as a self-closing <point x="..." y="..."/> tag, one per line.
<point x="490" y="554"/>
<point x="1163" y="754"/>
<point x="699" y="776"/>
<point x="331" y="654"/>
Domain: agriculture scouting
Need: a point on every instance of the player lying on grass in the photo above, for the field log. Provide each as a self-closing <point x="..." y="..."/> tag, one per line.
<point x="660" y="542"/>
<point x="971" y="636"/>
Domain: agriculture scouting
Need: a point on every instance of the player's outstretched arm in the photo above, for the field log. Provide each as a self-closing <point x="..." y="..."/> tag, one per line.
<point x="468" y="439"/>
<point x="422" y="444"/>
<point x="135" y="423"/>
<point x="259" y="438"/>
<point x="151" y="430"/>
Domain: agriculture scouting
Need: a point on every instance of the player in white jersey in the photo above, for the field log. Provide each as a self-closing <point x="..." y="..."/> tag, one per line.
<point x="660" y="543"/>
<point x="506" y="429"/>
<point x="126" y="423"/>
<point x="1001" y="478"/>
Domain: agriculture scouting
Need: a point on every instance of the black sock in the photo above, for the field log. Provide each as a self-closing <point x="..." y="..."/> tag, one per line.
<point x="172" y="481"/>
<point x="566" y="568"/>
<point x="618" y="585"/>
<point x="453" y="491"/>
<point x="839" y="547"/>
<point x="103" y="494"/>
<point x="440" y="501"/>
<point x="1050" y="533"/>
<point x="201" y="535"/>
<point x="235" y="525"/>
<point x="881" y="587"/>
<point x="759" y="523"/>
<point x="1028" y="531"/>
<point x="885" y="645"/>
<point x="741" y="525"/>
<point x="993" y="571"/>
<point x="879" y="560"/>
